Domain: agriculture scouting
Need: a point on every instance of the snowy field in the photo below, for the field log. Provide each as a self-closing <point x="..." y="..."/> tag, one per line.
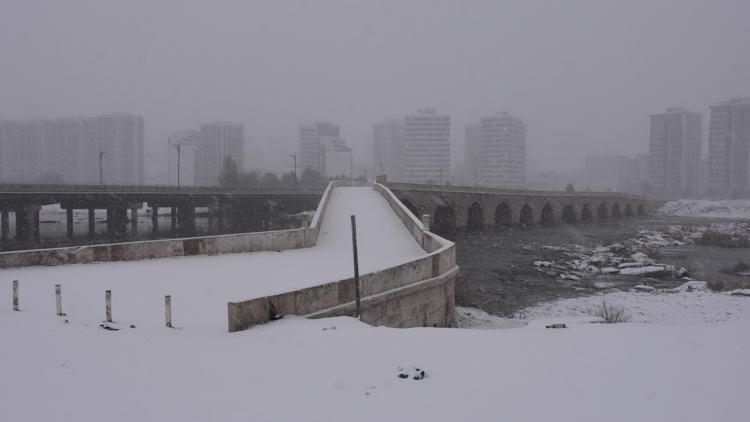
<point x="728" y="208"/>
<point x="202" y="286"/>
<point x="338" y="369"/>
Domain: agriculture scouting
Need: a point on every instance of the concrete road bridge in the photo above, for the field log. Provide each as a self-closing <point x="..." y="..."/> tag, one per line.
<point x="475" y="208"/>
<point x="229" y="209"/>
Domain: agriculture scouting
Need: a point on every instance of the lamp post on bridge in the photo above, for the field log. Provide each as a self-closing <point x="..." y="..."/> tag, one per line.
<point x="294" y="157"/>
<point x="101" y="173"/>
<point x="177" y="146"/>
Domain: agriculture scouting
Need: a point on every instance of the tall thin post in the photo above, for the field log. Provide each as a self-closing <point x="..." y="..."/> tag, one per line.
<point x="294" y="156"/>
<point x="15" y="295"/>
<point x="101" y="173"/>
<point x="177" y="146"/>
<point x="58" y="299"/>
<point x="168" y="310"/>
<point x="356" y="267"/>
<point x="108" y="300"/>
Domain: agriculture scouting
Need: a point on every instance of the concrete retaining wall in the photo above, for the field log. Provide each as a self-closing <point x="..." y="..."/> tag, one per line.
<point x="167" y="248"/>
<point x="417" y="293"/>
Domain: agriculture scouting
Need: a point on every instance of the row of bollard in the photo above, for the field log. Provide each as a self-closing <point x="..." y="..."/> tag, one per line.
<point x="107" y="300"/>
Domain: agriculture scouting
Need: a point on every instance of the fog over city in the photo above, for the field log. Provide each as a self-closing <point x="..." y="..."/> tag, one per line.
<point x="583" y="75"/>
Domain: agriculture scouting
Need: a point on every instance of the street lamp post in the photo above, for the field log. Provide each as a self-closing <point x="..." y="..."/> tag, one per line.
<point x="101" y="173"/>
<point x="178" y="163"/>
<point x="294" y="157"/>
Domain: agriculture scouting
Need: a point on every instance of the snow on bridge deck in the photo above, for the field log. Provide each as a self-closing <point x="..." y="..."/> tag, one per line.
<point x="201" y="286"/>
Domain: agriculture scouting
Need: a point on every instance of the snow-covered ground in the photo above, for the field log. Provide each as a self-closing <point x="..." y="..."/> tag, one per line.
<point x="728" y="208"/>
<point x="339" y="369"/>
<point x="202" y="286"/>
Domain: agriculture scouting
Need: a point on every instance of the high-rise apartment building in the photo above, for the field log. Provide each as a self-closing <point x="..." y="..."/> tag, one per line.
<point x="502" y="151"/>
<point x="68" y="150"/>
<point x="674" y="152"/>
<point x="311" y="143"/>
<point x="473" y="153"/>
<point x="426" y="152"/>
<point x="218" y="141"/>
<point x="388" y="146"/>
<point x="729" y="148"/>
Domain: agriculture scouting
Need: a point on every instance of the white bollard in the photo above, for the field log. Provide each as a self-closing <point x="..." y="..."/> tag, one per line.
<point x="168" y="310"/>
<point x="58" y="299"/>
<point x="15" y="295"/>
<point x="108" y="299"/>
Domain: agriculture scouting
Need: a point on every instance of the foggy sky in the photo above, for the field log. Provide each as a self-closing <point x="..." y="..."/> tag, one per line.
<point x="583" y="75"/>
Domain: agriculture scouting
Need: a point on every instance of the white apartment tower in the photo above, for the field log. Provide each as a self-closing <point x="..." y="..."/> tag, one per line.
<point x="426" y="152"/>
<point x="218" y="141"/>
<point x="388" y="146"/>
<point x="729" y="148"/>
<point x="674" y="152"/>
<point x="503" y="151"/>
<point x="311" y="145"/>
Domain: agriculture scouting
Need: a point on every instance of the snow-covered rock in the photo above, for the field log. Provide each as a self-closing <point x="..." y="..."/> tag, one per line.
<point x="610" y="270"/>
<point x="644" y="288"/>
<point x="650" y="270"/>
<point x="736" y="209"/>
<point x="692" y="286"/>
<point x="740" y="292"/>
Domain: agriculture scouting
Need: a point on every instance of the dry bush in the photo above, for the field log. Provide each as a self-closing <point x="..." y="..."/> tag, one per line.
<point x="611" y="314"/>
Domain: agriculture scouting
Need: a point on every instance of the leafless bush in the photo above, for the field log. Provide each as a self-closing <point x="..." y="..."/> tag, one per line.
<point x="611" y="314"/>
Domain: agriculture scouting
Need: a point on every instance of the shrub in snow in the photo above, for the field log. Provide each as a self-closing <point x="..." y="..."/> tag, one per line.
<point x="611" y="314"/>
<point x="411" y="373"/>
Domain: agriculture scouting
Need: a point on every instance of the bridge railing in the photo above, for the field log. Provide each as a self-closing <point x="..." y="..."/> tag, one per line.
<point x="504" y="191"/>
<point x="67" y="188"/>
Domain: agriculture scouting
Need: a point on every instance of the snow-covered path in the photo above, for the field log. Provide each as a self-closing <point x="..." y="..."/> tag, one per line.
<point x="202" y="286"/>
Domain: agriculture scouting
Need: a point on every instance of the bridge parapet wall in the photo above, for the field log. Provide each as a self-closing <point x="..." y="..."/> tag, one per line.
<point x="417" y="293"/>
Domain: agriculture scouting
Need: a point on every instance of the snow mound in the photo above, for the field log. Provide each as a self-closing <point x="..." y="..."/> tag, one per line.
<point x="730" y="208"/>
<point x="692" y="286"/>
<point x="479" y="319"/>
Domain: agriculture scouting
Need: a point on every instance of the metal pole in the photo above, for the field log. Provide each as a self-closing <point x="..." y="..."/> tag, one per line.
<point x="58" y="299"/>
<point x="178" y="165"/>
<point x="101" y="174"/>
<point x="15" y="295"/>
<point x="356" y="267"/>
<point x="168" y="310"/>
<point x="108" y="300"/>
<point x="294" y="156"/>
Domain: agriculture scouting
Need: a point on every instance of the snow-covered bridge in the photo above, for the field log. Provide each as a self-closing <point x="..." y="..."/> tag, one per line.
<point x="407" y="273"/>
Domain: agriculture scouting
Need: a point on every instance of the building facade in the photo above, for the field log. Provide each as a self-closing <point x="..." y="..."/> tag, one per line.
<point x="729" y="149"/>
<point x="472" y="153"/>
<point x="218" y="141"/>
<point x="502" y="151"/>
<point x="426" y="152"/>
<point x="388" y="147"/>
<point x="674" y="152"/>
<point x="108" y="149"/>
<point x="311" y="145"/>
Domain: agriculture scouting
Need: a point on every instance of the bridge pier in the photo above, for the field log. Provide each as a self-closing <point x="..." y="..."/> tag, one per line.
<point x="27" y="223"/>
<point x="173" y="220"/>
<point x="117" y="221"/>
<point x="92" y="223"/>
<point x="4" y="224"/>
<point x="186" y="220"/>
<point x="69" y="222"/>
<point x="154" y="221"/>
<point x="134" y="221"/>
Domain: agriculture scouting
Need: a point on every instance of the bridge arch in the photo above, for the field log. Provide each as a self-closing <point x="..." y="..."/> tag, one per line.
<point x="547" y="215"/>
<point x="475" y="218"/>
<point x="412" y="207"/>
<point x="640" y="210"/>
<point x="526" y="217"/>
<point x="628" y="210"/>
<point x="616" y="210"/>
<point x="601" y="212"/>
<point x="586" y="213"/>
<point x="503" y="215"/>
<point x="444" y="221"/>
<point x="568" y="214"/>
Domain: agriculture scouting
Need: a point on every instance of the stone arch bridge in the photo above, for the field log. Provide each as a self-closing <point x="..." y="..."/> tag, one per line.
<point x="473" y="208"/>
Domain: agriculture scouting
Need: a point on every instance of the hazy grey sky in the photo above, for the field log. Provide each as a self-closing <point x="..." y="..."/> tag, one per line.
<point x="584" y="75"/>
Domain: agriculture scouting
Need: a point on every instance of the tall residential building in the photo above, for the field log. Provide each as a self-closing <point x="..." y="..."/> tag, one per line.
<point x="674" y="152"/>
<point x="338" y="158"/>
<point x="188" y="141"/>
<point x="427" y="152"/>
<point x="311" y="145"/>
<point x="68" y="150"/>
<point x="388" y="146"/>
<point x="729" y="148"/>
<point x="503" y="151"/>
<point x="219" y="140"/>
<point x="473" y="153"/>
<point x="632" y="173"/>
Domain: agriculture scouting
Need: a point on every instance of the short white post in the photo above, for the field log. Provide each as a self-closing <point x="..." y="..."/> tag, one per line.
<point x="168" y="310"/>
<point x="58" y="299"/>
<point x="426" y="221"/>
<point x="15" y="295"/>
<point x="108" y="299"/>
